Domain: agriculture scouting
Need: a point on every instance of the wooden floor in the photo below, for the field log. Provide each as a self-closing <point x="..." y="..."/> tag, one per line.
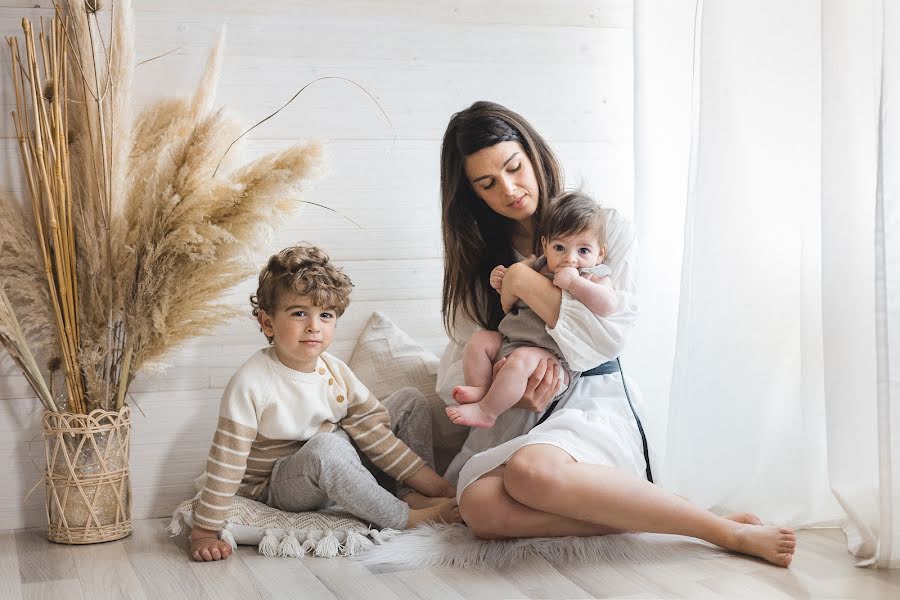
<point x="150" y="565"/>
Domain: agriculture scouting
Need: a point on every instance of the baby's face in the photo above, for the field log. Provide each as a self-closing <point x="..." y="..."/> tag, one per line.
<point x="580" y="250"/>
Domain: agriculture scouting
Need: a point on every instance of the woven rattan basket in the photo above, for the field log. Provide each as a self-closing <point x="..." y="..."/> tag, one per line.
<point x="88" y="482"/>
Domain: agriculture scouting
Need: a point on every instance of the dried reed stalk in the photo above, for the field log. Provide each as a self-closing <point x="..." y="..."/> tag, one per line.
<point x="12" y="338"/>
<point x="40" y="93"/>
<point x="136" y="209"/>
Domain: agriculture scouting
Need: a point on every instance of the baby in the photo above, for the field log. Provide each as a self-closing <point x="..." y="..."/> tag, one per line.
<point x="573" y="241"/>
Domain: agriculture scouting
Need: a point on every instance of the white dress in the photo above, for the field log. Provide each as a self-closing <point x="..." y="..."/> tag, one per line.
<point x="595" y="424"/>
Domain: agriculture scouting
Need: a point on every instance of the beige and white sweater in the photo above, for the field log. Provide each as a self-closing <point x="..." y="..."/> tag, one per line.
<point x="269" y="410"/>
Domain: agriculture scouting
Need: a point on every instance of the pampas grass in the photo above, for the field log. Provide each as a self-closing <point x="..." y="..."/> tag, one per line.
<point x="134" y="235"/>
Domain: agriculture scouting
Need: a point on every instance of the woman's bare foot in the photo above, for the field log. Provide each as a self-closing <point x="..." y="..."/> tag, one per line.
<point x="745" y="518"/>
<point x="468" y="394"/>
<point x="470" y="414"/>
<point x="209" y="548"/>
<point x="773" y="544"/>
<point x="445" y="512"/>
<point x="417" y="500"/>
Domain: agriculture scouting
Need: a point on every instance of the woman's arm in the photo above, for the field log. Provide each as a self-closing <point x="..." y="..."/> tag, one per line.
<point x="594" y="292"/>
<point x="535" y="290"/>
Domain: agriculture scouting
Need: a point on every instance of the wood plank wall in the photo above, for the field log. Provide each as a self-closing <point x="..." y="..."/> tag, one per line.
<point x="566" y="66"/>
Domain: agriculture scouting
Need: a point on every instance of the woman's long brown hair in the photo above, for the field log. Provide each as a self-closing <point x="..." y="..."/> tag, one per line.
<point x="476" y="239"/>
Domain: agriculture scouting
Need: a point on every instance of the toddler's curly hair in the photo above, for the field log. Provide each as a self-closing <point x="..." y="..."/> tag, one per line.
<point x="302" y="269"/>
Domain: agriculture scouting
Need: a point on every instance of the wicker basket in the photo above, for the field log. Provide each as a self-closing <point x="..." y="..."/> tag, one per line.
<point x="88" y="482"/>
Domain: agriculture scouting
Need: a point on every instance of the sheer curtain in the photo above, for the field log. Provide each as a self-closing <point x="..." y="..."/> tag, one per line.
<point x="766" y="204"/>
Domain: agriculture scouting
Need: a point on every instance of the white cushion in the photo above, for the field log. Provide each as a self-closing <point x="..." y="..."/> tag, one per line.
<point x="386" y="359"/>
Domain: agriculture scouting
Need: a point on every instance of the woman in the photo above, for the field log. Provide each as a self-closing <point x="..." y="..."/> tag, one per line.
<point x="583" y="467"/>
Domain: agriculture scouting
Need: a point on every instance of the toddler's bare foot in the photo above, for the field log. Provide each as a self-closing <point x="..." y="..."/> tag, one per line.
<point x="445" y="512"/>
<point x="746" y="518"/>
<point x="470" y="414"/>
<point x="209" y="548"/>
<point x="417" y="500"/>
<point x="774" y="544"/>
<point x="467" y="394"/>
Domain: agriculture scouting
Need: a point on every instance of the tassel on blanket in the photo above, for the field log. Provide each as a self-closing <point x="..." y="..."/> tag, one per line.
<point x="175" y="525"/>
<point x="355" y="543"/>
<point x="268" y="545"/>
<point x="312" y="537"/>
<point x="290" y="546"/>
<point x="328" y="546"/>
<point x="226" y="536"/>
<point x="384" y="535"/>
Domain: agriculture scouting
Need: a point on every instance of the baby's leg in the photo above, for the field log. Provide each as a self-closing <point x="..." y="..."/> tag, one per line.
<point x="478" y="366"/>
<point x="507" y="389"/>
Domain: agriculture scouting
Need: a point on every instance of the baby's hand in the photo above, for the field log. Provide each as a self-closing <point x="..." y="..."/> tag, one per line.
<point x="497" y="277"/>
<point x="564" y="277"/>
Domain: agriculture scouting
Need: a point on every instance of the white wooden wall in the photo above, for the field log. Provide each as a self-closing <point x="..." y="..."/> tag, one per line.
<point x="566" y="66"/>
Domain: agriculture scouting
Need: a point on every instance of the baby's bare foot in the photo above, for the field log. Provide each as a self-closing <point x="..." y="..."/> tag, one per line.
<point x="774" y="544"/>
<point x="445" y="512"/>
<point x="746" y="518"/>
<point x="209" y="549"/>
<point x="417" y="500"/>
<point x="468" y="394"/>
<point x="470" y="414"/>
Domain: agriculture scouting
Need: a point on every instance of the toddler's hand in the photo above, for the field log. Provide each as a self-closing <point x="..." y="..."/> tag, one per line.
<point x="497" y="277"/>
<point x="209" y="548"/>
<point x="564" y="277"/>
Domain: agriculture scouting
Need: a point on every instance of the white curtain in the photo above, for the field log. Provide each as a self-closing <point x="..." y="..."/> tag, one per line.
<point x="767" y="168"/>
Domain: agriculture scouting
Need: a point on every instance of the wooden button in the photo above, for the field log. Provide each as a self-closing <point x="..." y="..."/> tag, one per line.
<point x="321" y="371"/>
<point x="330" y="381"/>
<point x="340" y="398"/>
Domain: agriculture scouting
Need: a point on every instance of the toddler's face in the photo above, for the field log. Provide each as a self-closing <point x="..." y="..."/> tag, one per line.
<point x="302" y="330"/>
<point x="580" y="250"/>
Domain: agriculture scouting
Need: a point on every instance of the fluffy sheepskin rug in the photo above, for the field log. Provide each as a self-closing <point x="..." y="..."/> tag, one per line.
<point x="455" y="546"/>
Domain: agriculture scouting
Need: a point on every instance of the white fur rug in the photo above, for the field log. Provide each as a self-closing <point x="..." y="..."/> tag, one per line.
<point x="455" y="546"/>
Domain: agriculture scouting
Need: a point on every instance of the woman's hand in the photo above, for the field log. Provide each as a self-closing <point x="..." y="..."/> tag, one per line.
<point x="541" y="387"/>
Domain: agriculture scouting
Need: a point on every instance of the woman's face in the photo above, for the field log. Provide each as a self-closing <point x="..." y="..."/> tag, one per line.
<point x="502" y="175"/>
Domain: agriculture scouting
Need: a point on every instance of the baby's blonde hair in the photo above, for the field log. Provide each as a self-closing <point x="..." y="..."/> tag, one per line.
<point x="303" y="269"/>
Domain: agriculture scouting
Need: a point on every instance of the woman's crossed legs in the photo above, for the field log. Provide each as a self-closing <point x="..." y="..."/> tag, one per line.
<point x="542" y="491"/>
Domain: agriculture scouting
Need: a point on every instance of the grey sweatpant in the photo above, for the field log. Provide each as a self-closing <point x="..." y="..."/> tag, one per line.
<point x="329" y="470"/>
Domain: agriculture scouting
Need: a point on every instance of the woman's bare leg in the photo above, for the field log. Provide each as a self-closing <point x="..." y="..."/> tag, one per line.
<point x="492" y="514"/>
<point x="547" y="479"/>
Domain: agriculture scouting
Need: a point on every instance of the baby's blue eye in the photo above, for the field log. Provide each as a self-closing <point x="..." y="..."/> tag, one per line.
<point x="585" y="251"/>
<point x="558" y="248"/>
<point x="327" y="315"/>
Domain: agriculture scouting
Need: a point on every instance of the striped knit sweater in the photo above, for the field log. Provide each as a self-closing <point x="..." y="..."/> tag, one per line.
<point x="269" y="410"/>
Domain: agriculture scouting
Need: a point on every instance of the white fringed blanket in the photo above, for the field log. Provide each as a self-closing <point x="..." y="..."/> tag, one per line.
<point x="277" y="533"/>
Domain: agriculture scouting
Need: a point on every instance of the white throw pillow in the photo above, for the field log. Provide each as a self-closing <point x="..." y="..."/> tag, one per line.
<point x="386" y="359"/>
